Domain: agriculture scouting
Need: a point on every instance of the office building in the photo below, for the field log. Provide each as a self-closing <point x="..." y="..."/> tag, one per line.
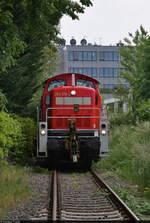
<point x="97" y="61"/>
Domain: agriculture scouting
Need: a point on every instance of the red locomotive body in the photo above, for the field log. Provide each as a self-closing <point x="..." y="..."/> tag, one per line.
<point x="69" y="129"/>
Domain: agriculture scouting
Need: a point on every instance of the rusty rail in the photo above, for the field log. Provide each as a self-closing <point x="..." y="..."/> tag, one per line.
<point x="55" y="196"/>
<point x="115" y="198"/>
<point x="81" y="198"/>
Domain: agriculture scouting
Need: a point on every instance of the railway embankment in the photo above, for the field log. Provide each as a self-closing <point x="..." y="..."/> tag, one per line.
<point x="23" y="192"/>
<point x="128" y="166"/>
<point x="32" y="194"/>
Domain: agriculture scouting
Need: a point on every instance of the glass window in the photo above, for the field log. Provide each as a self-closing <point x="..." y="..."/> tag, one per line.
<point x="89" y="55"/>
<point x="85" y="55"/>
<point x="101" y="55"/>
<point x="84" y="83"/>
<point x="75" y="56"/>
<point x="109" y="55"/>
<point x="101" y="72"/>
<point x="70" y="55"/>
<point x="115" y="72"/>
<point x="108" y="72"/>
<point x="94" y="55"/>
<point x="116" y="55"/>
<point x="109" y="86"/>
<point x="90" y="71"/>
<point x="56" y="83"/>
<point x="93" y="72"/>
<point x="82" y="55"/>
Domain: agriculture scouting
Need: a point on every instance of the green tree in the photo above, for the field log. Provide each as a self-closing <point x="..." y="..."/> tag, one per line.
<point x="40" y="18"/>
<point x="136" y="69"/>
<point x="28" y="28"/>
<point x="49" y="61"/>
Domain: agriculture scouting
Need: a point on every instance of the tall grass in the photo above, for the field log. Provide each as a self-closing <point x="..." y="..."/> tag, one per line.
<point x="13" y="187"/>
<point x="130" y="154"/>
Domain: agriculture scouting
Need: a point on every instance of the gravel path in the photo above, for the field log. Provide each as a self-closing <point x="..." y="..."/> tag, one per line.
<point x="36" y="206"/>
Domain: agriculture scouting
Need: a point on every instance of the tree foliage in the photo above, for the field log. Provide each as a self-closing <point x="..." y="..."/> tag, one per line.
<point x="29" y="30"/>
<point x="135" y="61"/>
<point x="39" y="18"/>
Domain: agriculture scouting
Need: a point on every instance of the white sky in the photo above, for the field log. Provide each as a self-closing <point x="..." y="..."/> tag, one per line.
<point x="107" y="21"/>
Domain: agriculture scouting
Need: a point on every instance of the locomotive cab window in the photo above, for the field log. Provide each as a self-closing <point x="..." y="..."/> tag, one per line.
<point x="56" y="83"/>
<point x="84" y="83"/>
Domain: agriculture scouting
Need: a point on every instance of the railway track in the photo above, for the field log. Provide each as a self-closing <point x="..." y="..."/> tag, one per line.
<point x="85" y="197"/>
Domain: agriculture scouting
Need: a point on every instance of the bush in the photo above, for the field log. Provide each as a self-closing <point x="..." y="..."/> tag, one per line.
<point x="17" y="138"/>
<point x="144" y="111"/>
<point x="10" y="135"/>
<point x="26" y="152"/>
<point x="29" y="133"/>
<point x="121" y="119"/>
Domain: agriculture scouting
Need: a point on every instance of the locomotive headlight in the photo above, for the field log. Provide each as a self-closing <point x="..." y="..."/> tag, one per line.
<point x="73" y="92"/>
<point x="43" y="132"/>
<point x="103" y="132"/>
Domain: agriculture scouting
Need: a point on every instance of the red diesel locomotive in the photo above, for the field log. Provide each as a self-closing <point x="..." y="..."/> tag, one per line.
<point x="70" y="124"/>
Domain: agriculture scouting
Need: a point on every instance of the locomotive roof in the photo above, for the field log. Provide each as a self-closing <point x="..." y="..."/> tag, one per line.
<point x="69" y="74"/>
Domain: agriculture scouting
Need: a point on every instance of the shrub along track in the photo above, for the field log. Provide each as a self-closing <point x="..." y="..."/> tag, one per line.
<point x="84" y="197"/>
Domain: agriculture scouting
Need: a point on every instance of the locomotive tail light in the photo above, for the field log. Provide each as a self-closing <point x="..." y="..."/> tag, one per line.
<point x="73" y="92"/>
<point x="42" y="126"/>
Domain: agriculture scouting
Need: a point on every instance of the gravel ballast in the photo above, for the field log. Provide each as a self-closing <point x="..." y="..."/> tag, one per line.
<point x="36" y="207"/>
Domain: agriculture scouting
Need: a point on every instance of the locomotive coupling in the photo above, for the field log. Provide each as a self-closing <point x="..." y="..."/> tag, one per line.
<point x="72" y="144"/>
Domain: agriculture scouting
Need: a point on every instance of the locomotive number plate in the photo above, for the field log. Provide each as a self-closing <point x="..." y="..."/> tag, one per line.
<point x="63" y="94"/>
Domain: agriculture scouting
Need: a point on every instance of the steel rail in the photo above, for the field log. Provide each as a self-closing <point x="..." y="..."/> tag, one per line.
<point x="115" y="197"/>
<point x="55" y="198"/>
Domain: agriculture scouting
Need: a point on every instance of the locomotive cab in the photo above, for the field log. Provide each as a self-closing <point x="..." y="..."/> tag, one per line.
<point x="70" y="120"/>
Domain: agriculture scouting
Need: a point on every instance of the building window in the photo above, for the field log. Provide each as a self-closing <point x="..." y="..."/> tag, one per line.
<point x="109" y="86"/>
<point x="70" y="55"/>
<point x="108" y="72"/>
<point x="116" y="72"/>
<point x="90" y="71"/>
<point x="82" y="55"/>
<point x="108" y="56"/>
<point x="112" y="86"/>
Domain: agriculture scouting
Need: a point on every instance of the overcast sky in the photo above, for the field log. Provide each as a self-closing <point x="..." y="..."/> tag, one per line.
<point x="107" y="21"/>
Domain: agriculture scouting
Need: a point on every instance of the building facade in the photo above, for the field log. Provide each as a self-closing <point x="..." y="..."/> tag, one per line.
<point x="99" y="62"/>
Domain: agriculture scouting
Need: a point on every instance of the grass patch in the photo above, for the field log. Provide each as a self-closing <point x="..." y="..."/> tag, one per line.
<point x="136" y="204"/>
<point x="13" y="186"/>
<point x="101" y="192"/>
<point x="76" y="186"/>
<point x="38" y="169"/>
<point x="130" y="157"/>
